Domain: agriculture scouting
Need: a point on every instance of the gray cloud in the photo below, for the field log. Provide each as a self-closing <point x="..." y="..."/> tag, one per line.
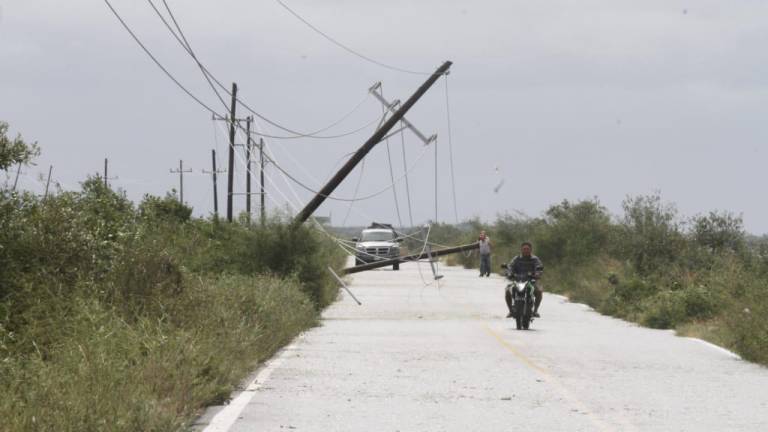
<point x="580" y="99"/>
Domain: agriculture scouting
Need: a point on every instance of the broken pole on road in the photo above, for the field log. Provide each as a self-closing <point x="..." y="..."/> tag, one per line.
<point x="377" y="137"/>
<point x="417" y="257"/>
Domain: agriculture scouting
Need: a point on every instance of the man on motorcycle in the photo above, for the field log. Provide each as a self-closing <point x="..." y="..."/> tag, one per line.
<point x="526" y="264"/>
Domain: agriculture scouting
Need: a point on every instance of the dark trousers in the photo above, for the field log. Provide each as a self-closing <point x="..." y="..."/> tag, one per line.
<point x="538" y="295"/>
<point x="485" y="264"/>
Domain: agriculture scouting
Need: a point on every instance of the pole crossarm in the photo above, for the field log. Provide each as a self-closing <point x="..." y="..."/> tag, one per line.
<point x="409" y="258"/>
<point x="392" y="107"/>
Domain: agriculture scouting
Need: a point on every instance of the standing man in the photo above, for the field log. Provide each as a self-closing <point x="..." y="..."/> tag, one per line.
<point x="485" y="254"/>
<point x="526" y="264"/>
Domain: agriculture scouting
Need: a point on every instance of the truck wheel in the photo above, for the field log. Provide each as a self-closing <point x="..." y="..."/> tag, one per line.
<point x="396" y="266"/>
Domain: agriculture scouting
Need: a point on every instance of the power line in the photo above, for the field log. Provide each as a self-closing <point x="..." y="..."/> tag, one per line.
<point x="182" y="40"/>
<point x="185" y="43"/>
<point x="373" y="195"/>
<point x="156" y="61"/>
<point x="357" y="189"/>
<point x="450" y="149"/>
<point x="405" y="167"/>
<point x="346" y="48"/>
<point x="391" y="172"/>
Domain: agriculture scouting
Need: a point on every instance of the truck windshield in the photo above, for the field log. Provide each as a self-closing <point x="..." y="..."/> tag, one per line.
<point x="378" y="236"/>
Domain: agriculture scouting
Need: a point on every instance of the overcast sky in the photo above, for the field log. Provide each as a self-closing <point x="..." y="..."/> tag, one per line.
<point x="559" y="99"/>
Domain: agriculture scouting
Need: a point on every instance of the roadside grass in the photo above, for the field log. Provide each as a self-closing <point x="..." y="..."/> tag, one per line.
<point x="134" y="319"/>
<point x="700" y="276"/>
<point x="155" y="372"/>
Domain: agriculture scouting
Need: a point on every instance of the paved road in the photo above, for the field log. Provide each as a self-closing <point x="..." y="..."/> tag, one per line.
<point x="415" y="358"/>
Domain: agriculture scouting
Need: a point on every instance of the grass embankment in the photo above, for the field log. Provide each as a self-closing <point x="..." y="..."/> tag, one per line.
<point x="701" y="276"/>
<point x="133" y="319"/>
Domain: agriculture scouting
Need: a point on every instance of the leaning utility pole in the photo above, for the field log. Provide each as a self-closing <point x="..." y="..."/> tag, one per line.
<point x="16" y="182"/>
<point x="181" y="172"/>
<point x="248" y="168"/>
<point x="263" y="210"/>
<point x="48" y="183"/>
<point x="231" y="166"/>
<point x="213" y="172"/>
<point x="334" y="182"/>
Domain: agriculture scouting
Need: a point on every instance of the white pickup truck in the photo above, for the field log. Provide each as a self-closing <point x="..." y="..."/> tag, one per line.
<point x="377" y="242"/>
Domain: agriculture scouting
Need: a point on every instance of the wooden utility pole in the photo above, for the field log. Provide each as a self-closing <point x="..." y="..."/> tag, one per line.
<point x="181" y="172"/>
<point x="334" y="182"/>
<point x="48" y="183"/>
<point x="16" y="181"/>
<point x="248" y="168"/>
<point x="262" y="212"/>
<point x="106" y="173"/>
<point x="417" y="257"/>
<point x="213" y="173"/>
<point x="231" y="165"/>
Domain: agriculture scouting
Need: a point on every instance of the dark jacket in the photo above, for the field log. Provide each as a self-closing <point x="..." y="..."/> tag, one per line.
<point x="521" y="265"/>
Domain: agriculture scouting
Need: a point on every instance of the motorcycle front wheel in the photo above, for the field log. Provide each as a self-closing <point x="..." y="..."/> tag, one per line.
<point x="519" y="311"/>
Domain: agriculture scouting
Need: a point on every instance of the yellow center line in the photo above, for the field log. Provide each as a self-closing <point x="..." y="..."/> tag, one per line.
<point x="551" y="380"/>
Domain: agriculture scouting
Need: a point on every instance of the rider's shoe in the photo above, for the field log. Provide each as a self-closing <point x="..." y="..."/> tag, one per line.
<point x="509" y="315"/>
<point x="536" y="315"/>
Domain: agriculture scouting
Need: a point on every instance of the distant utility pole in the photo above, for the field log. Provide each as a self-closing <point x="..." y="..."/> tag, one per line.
<point x="213" y="173"/>
<point x="48" y="183"/>
<point x="231" y="166"/>
<point x="181" y="172"/>
<point x="262" y="213"/>
<point x="106" y="172"/>
<point x="248" y="122"/>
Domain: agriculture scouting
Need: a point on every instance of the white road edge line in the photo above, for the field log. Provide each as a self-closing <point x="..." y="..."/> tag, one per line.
<point x="672" y="331"/>
<point x="717" y="348"/>
<point x="227" y="417"/>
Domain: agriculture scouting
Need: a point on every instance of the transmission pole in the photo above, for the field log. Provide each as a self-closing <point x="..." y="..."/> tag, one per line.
<point x="334" y="182"/>
<point x="248" y="168"/>
<point x="181" y="172"/>
<point x="262" y="212"/>
<point x="213" y="173"/>
<point x="231" y="165"/>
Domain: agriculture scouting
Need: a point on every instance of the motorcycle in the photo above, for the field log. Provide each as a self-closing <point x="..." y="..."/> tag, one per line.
<point x="521" y="290"/>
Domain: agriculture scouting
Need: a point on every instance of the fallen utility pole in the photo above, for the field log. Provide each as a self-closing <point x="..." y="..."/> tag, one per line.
<point x="417" y="257"/>
<point x="377" y="137"/>
<point x="231" y="166"/>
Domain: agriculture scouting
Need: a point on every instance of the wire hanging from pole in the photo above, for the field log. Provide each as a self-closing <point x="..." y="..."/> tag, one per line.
<point x="357" y="189"/>
<point x="450" y="150"/>
<point x="436" y="182"/>
<point x="405" y="167"/>
<point x="391" y="172"/>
